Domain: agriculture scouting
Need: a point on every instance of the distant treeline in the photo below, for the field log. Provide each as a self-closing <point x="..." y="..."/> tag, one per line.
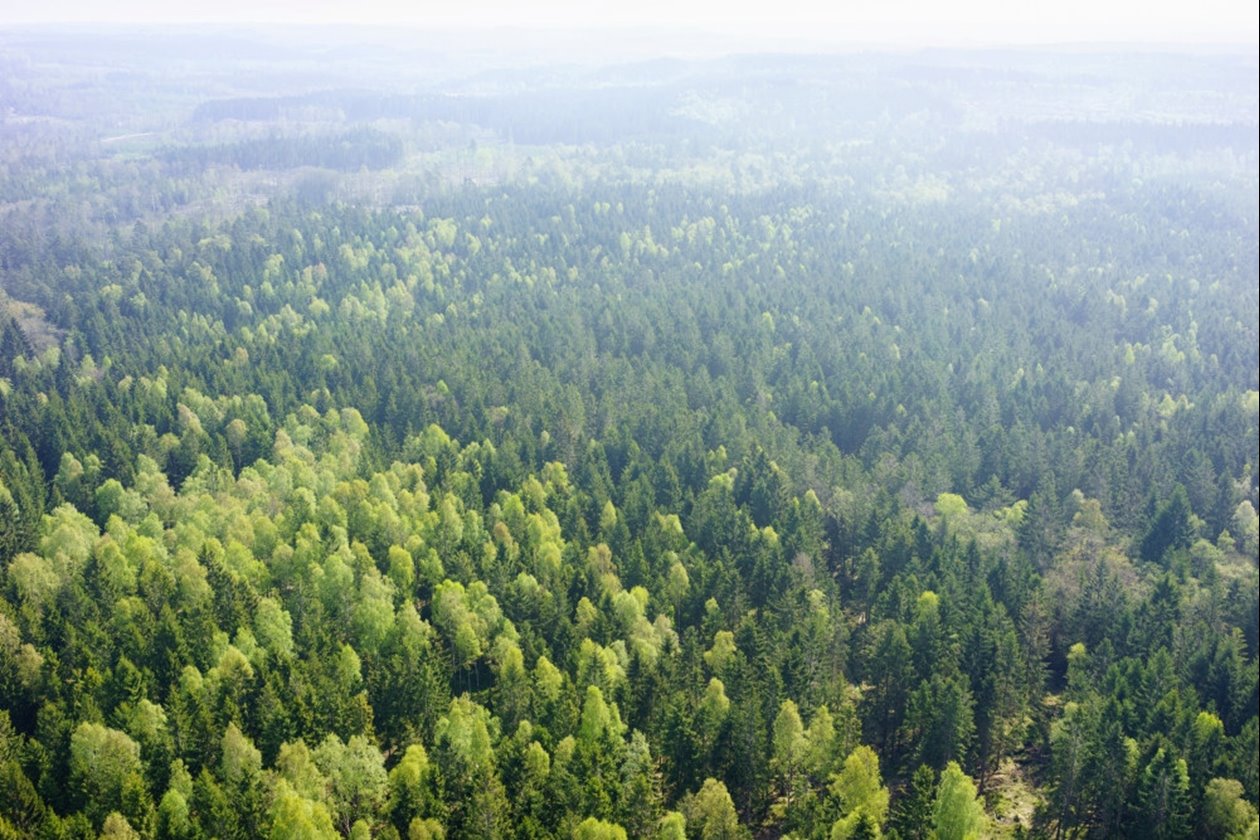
<point x="348" y="151"/>
<point x="1156" y="137"/>
<point x="609" y="115"/>
<point x="604" y="115"/>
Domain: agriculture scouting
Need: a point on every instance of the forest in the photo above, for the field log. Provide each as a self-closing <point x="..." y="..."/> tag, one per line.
<point x="713" y="448"/>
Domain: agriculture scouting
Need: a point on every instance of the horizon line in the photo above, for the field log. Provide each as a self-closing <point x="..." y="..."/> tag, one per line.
<point x="815" y="41"/>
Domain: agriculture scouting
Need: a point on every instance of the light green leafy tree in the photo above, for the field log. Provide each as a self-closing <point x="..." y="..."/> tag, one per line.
<point x="711" y="815"/>
<point x="411" y="781"/>
<point x="116" y="827"/>
<point x="465" y="753"/>
<point x="294" y="817"/>
<point x="957" y="813"/>
<point x="672" y="826"/>
<point x="789" y="749"/>
<point x="1225" y="812"/>
<point x="425" y="829"/>
<point x="860" y="792"/>
<point x="593" y="829"/>
<point x="101" y="761"/>
<point x="357" y="778"/>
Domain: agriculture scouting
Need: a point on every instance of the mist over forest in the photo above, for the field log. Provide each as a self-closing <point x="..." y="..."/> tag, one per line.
<point x="512" y="433"/>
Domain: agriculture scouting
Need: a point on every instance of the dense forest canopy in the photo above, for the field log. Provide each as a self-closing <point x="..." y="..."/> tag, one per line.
<point x="811" y="446"/>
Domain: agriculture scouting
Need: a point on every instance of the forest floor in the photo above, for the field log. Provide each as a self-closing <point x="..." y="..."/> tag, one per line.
<point x="1012" y="799"/>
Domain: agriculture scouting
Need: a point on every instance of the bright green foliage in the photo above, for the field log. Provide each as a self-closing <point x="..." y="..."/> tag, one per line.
<point x="860" y="792"/>
<point x="824" y="743"/>
<point x="951" y="506"/>
<point x="857" y="826"/>
<point x="101" y="761"/>
<point x="957" y="813"/>
<point x="357" y="777"/>
<point x="297" y="818"/>
<point x="412" y="792"/>
<point x="241" y="760"/>
<point x="466" y="751"/>
<point x="672" y="826"/>
<point x="789" y="743"/>
<point x="722" y="652"/>
<point x="715" y="704"/>
<point x="600" y="722"/>
<point x="173" y="818"/>
<point x="465" y="731"/>
<point x="711" y="814"/>
<point x="116" y="827"/>
<point x="1225" y="812"/>
<point x="593" y="829"/>
<point x="296" y="765"/>
<point x="428" y="829"/>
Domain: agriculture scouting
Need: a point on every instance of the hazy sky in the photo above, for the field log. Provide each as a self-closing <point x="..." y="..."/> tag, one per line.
<point x="889" y="21"/>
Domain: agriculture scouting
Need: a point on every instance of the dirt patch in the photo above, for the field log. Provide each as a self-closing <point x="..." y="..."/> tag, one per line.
<point x="1012" y="800"/>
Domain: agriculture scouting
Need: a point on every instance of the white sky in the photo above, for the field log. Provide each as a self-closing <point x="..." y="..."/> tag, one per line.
<point x="885" y="21"/>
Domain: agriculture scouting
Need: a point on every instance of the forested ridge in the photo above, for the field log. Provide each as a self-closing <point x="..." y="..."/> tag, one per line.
<point x="589" y="503"/>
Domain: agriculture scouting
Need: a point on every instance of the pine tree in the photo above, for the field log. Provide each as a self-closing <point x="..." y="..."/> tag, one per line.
<point x="1170" y="528"/>
<point x="1165" y="807"/>
<point x="911" y="815"/>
